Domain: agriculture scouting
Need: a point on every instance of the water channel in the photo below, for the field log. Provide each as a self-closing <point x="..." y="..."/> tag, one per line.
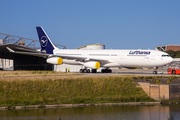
<point x="128" y="112"/>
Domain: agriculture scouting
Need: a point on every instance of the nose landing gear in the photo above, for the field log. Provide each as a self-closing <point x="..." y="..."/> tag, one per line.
<point x="155" y="70"/>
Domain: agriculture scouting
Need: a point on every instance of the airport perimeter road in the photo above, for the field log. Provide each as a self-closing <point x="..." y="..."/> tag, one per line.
<point x="132" y="72"/>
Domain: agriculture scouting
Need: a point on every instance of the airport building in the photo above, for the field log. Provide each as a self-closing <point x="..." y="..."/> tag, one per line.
<point x="11" y="61"/>
<point x="168" y="47"/>
<point x="6" y="64"/>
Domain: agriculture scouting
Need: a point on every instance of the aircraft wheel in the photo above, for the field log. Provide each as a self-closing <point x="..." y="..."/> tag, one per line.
<point x="109" y="71"/>
<point x="94" y="70"/>
<point x="106" y="70"/>
<point x="154" y="72"/>
<point x="88" y="70"/>
<point x="81" y="71"/>
<point x="102" y="71"/>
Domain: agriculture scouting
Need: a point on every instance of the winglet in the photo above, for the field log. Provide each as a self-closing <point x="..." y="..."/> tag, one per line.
<point x="10" y="50"/>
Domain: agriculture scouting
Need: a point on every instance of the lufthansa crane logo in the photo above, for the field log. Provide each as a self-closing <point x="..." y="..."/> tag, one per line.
<point x="44" y="41"/>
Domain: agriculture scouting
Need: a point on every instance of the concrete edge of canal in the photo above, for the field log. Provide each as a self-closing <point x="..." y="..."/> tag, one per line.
<point x="76" y="105"/>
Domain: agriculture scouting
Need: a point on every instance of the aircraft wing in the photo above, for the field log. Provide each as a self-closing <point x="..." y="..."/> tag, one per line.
<point x="102" y="61"/>
<point x="41" y="54"/>
<point x="5" y="53"/>
<point x="17" y="47"/>
<point x="83" y="59"/>
<point x="27" y="51"/>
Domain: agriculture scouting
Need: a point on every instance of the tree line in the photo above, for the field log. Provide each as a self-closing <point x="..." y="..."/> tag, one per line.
<point x="173" y="54"/>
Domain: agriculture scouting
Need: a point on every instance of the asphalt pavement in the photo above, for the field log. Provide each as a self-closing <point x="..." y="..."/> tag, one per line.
<point x="132" y="72"/>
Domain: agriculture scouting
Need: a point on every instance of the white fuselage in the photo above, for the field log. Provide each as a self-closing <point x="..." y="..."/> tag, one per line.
<point x="117" y="58"/>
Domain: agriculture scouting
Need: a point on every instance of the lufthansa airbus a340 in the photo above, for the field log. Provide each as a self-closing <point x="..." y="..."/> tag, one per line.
<point x="94" y="59"/>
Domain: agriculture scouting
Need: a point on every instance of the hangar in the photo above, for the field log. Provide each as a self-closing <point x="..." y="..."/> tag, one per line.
<point x="10" y="61"/>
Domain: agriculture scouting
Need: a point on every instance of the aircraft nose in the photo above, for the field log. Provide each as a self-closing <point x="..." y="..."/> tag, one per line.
<point x="170" y="60"/>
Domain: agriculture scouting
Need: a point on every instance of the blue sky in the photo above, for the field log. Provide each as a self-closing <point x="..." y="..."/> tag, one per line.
<point x="118" y="24"/>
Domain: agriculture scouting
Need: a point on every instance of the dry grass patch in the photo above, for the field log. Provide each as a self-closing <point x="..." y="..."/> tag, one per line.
<point x="7" y="74"/>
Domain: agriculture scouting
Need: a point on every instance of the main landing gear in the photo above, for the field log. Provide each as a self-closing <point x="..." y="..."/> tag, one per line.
<point x="155" y="70"/>
<point x="87" y="71"/>
<point x="106" y="70"/>
<point x="84" y="71"/>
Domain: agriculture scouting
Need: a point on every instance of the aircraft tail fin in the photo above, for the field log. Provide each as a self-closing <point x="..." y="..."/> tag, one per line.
<point x="44" y="40"/>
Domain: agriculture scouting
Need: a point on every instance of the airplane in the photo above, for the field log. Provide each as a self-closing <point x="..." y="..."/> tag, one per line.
<point x="94" y="59"/>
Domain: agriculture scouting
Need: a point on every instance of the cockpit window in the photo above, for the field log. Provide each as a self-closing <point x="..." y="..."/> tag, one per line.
<point x="165" y="55"/>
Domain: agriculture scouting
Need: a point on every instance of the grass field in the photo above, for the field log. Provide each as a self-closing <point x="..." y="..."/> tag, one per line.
<point x="27" y="88"/>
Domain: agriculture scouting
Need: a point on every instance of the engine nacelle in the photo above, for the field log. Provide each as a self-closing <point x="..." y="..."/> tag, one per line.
<point x="55" y="60"/>
<point x="93" y="65"/>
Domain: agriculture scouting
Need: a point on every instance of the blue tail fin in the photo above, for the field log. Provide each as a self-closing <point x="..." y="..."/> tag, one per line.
<point x="45" y="42"/>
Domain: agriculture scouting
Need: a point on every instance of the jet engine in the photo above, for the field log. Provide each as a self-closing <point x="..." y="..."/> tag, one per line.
<point x="93" y="65"/>
<point x="55" y="60"/>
